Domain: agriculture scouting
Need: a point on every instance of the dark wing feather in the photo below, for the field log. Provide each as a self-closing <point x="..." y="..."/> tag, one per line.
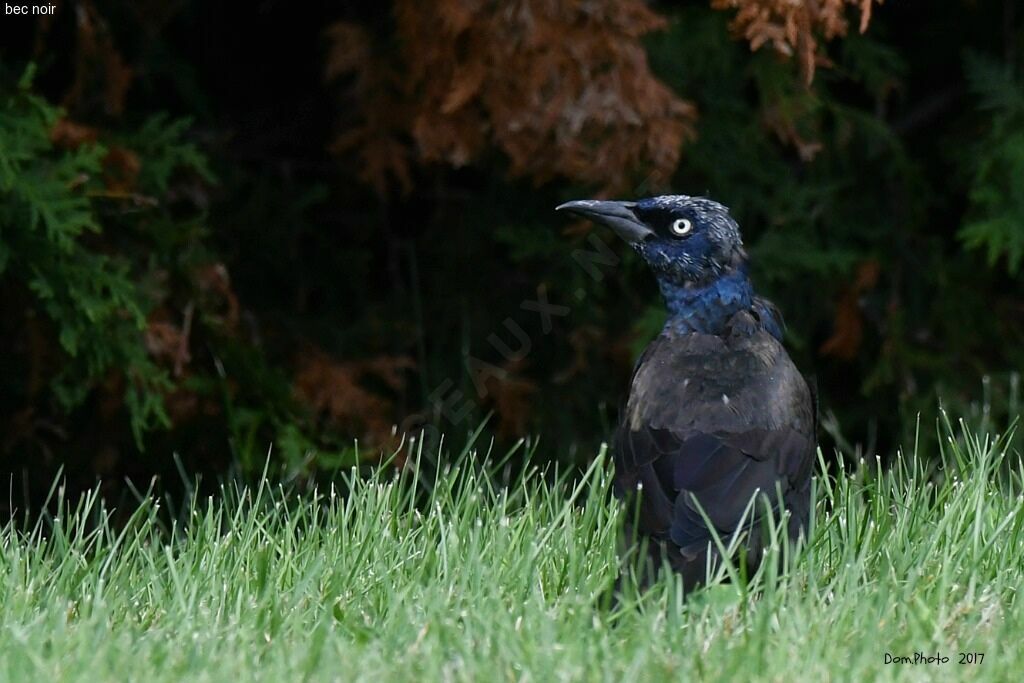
<point x="710" y="421"/>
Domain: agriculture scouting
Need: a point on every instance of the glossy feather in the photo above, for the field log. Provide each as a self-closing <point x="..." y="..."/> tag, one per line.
<point x="717" y="412"/>
<point x="711" y="420"/>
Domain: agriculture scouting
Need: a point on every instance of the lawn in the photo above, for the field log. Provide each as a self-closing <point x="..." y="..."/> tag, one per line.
<point x="463" y="575"/>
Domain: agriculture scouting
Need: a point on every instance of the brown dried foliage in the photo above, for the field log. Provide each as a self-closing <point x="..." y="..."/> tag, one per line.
<point x="378" y="138"/>
<point x="561" y="87"/>
<point x="217" y="299"/>
<point x="338" y="393"/>
<point x="792" y="27"/>
<point x="794" y="119"/>
<point x="121" y="168"/>
<point x="510" y="395"/>
<point x="70" y="134"/>
<point x="98" y="65"/>
<point x="101" y="74"/>
<point x="848" y="327"/>
<point x="169" y="336"/>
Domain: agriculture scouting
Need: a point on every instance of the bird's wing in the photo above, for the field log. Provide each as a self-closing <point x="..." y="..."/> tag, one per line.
<point x="710" y="421"/>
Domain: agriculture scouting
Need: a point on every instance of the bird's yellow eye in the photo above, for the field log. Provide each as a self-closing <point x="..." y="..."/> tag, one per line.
<point x="681" y="227"/>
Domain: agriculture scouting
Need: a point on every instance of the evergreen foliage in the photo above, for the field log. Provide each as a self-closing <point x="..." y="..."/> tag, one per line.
<point x="996" y="215"/>
<point x="209" y="246"/>
<point x="50" y="207"/>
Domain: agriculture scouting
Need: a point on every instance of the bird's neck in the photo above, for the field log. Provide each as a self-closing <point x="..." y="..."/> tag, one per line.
<point x="706" y="308"/>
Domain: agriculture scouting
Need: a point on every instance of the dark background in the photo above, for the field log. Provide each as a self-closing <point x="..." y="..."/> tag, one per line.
<point x="304" y="222"/>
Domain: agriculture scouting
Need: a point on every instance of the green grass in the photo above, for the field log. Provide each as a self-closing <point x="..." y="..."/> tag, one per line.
<point x="485" y="582"/>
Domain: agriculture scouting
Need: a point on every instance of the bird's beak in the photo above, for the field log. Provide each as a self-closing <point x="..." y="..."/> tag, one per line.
<point x="618" y="216"/>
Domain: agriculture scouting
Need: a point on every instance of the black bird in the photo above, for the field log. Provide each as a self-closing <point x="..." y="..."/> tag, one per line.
<point x="717" y="411"/>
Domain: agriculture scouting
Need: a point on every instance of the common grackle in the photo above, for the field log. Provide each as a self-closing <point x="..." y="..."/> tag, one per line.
<point x="717" y="412"/>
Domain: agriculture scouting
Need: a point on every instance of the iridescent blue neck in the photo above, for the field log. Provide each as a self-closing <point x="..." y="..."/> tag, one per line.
<point x="706" y="309"/>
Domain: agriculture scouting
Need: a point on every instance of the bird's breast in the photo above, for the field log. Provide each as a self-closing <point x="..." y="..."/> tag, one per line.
<point x="728" y="383"/>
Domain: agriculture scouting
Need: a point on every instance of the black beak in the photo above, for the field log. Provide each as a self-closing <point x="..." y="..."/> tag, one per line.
<point x="618" y="216"/>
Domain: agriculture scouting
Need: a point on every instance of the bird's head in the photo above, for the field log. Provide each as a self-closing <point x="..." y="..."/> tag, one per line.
<point x="687" y="241"/>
